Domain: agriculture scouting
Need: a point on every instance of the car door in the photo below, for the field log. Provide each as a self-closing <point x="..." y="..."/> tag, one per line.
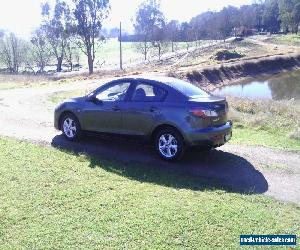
<point x="142" y="109"/>
<point x="104" y="112"/>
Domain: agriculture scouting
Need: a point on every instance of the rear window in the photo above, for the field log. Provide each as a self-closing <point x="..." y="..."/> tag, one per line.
<point x="148" y="93"/>
<point x="187" y="88"/>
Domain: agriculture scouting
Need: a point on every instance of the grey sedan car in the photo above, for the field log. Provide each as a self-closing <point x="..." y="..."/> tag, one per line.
<point x="171" y="113"/>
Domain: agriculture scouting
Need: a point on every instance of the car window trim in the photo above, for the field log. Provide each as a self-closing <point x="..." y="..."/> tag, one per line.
<point x="113" y="83"/>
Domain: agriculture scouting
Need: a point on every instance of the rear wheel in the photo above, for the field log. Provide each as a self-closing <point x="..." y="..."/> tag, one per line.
<point x="169" y="144"/>
<point x="70" y="127"/>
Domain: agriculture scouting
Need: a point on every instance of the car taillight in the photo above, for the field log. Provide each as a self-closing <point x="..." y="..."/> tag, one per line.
<point x="204" y="113"/>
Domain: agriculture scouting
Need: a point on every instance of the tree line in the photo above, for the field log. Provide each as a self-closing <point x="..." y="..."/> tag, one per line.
<point x="67" y="27"/>
<point x="76" y="25"/>
<point x="153" y="30"/>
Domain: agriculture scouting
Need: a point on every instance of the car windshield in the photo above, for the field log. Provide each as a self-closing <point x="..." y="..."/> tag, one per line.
<point x="187" y="89"/>
<point x="90" y="94"/>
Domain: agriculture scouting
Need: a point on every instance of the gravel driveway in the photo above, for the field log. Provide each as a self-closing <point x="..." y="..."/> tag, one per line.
<point x="26" y="114"/>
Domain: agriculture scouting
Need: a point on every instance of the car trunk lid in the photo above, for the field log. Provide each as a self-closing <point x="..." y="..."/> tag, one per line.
<point x="217" y="105"/>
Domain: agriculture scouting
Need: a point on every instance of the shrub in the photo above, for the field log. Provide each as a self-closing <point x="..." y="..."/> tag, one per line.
<point x="225" y="54"/>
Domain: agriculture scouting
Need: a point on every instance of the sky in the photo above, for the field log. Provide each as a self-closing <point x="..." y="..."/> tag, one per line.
<point x="23" y="16"/>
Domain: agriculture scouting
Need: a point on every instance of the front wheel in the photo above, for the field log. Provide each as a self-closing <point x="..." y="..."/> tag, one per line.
<point x="169" y="144"/>
<point x="70" y="127"/>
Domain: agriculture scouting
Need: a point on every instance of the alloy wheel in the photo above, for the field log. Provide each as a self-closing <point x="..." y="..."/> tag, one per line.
<point x="69" y="128"/>
<point x="168" y="145"/>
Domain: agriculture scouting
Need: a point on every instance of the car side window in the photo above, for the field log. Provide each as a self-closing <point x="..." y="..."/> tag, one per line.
<point x="148" y="93"/>
<point x="113" y="93"/>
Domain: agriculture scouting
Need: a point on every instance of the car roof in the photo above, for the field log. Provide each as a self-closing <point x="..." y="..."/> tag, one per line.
<point x="161" y="79"/>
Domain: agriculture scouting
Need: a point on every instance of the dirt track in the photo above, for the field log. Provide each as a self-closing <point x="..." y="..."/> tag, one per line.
<point x="26" y="114"/>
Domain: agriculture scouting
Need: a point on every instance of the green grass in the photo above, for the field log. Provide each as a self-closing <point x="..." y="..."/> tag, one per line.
<point x="28" y="81"/>
<point x="257" y="136"/>
<point x="59" y="97"/>
<point x="108" y="52"/>
<point x="289" y="39"/>
<point x="14" y="85"/>
<point x="51" y="199"/>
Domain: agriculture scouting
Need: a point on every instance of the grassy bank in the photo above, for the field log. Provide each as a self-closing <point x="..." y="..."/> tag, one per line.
<point x="8" y="81"/>
<point x="225" y="74"/>
<point x="54" y="200"/>
<point x="290" y="39"/>
<point x="266" y="122"/>
<point x="256" y="136"/>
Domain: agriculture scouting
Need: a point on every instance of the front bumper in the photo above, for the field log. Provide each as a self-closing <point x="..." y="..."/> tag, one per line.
<point x="57" y="114"/>
<point x="213" y="136"/>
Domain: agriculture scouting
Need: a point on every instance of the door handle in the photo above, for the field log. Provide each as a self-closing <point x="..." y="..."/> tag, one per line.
<point x="116" y="108"/>
<point x="153" y="109"/>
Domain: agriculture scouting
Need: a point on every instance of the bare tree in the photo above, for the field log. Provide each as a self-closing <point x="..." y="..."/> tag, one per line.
<point x="143" y="48"/>
<point x="172" y="32"/>
<point x="89" y="15"/>
<point x="12" y="52"/>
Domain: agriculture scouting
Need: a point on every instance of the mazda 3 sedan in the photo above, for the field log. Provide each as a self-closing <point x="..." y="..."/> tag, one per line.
<point x="171" y="113"/>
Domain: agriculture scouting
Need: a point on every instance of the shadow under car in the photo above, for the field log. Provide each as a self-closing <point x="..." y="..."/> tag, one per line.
<point x="135" y="159"/>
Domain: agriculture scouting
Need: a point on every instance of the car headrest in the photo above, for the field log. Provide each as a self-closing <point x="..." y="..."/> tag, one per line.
<point x="140" y="94"/>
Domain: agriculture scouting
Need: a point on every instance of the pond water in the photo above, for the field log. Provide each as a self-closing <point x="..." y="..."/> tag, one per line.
<point x="278" y="87"/>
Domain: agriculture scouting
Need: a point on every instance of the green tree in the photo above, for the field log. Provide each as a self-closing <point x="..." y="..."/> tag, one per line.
<point x="270" y="17"/>
<point x="39" y="53"/>
<point x="296" y="16"/>
<point x="89" y="15"/>
<point x="186" y="34"/>
<point x="287" y="15"/>
<point x="203" y="25"/>
<point x="57" y="28"/>
<point x="259" y="9"/>
<point x="149" y="21"/>
<point x="227" y="19"/>
<point x="72" y="55"/>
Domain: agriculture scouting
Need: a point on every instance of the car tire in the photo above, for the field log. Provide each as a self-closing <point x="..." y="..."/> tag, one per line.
<point x="70" y="127"/>
<point x="206" y="148"/>
<point x="169" y="144"/>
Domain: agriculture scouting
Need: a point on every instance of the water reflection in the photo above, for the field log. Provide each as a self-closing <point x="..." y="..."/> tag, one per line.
<point x="280" y="87"/>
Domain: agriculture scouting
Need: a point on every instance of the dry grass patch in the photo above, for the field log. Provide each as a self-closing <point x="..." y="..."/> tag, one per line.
<point x="266" y="122"/>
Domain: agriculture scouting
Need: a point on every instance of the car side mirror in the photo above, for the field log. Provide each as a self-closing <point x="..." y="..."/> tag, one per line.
<point x="93" y="99"/>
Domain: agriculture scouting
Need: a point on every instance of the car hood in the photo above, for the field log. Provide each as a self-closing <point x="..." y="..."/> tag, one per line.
<point x="76" y="99"/>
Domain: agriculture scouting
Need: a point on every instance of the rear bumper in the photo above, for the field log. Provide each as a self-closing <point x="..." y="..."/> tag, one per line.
<point x="213" y="136"/>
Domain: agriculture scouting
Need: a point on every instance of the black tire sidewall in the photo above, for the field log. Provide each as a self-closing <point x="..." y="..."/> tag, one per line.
<point x="77" y="125"/>
<point x="180" y="142"/>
